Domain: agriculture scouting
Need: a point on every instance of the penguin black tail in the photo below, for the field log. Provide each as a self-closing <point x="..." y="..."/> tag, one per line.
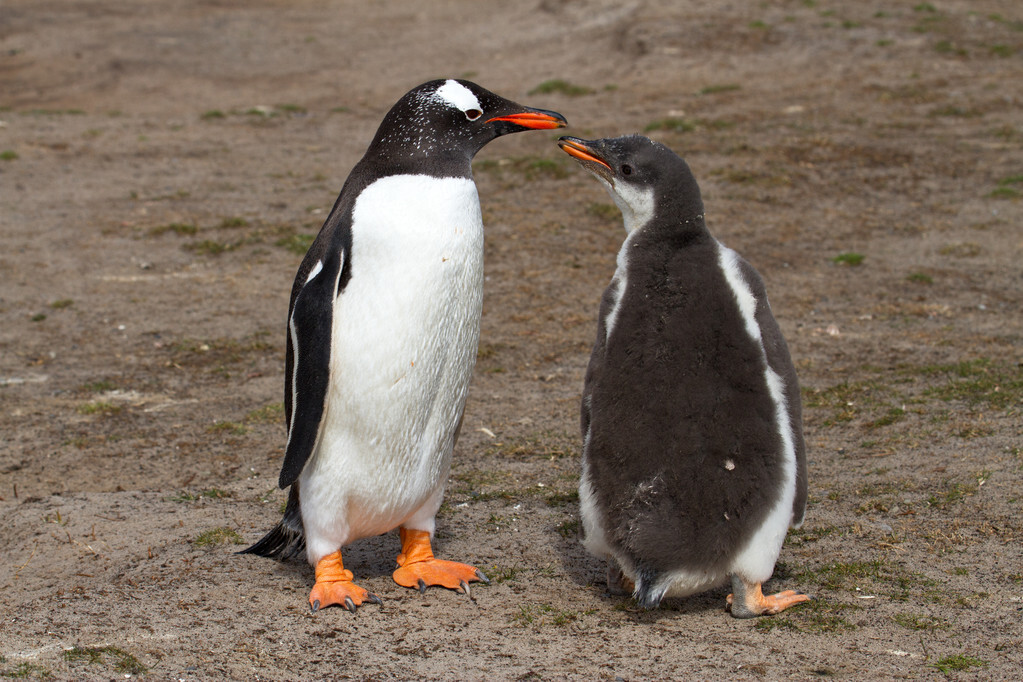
<point x="650" y="589"/>
<point x="287" y="538"/>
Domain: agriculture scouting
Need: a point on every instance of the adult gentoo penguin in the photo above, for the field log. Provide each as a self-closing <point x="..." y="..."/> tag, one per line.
<point x="382" y="333"/>
<point x="693" y="458"/>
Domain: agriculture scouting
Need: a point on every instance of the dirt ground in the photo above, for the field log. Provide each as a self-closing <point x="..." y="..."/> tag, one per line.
<point x="164" y="164"/>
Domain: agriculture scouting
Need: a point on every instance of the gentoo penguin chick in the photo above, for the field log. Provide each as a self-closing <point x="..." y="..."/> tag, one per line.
<point x="693" y="462"/>
<point x="382" y="333"/>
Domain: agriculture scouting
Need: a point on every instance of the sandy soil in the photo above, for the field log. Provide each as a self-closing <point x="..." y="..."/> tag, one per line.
<point x="163" y="165"/>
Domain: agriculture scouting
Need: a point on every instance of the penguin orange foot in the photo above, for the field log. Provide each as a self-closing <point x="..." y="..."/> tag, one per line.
<point x="334" y="586"/>
<point x="417" y="567"/>
<point x="751" y="601"/>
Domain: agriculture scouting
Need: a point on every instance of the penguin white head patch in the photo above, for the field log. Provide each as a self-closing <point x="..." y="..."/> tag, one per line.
<point x="462" y="98"/>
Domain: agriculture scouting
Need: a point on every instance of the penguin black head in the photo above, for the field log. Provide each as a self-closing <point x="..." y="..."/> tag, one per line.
<point x="452" y="118"/>
<point x="644" y="177"/>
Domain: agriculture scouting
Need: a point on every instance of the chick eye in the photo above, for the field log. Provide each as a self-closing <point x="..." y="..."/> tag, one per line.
<point x="626" y="169"/>
<point x="473" y="114"/>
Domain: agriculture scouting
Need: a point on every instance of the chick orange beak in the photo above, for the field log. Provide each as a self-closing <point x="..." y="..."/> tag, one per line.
<point x="574" y="147"/>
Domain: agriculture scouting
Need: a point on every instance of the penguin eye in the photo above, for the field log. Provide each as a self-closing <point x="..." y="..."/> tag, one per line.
<point x="473" y="114"/>
<point x="626" y="169"/>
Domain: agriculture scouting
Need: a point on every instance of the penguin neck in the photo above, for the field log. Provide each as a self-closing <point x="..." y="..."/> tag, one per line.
<point x="410" y="159"/>
<point x="647" y="208"/>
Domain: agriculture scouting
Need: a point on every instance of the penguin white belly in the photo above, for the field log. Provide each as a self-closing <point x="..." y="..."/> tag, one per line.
<point x="404" y="340"/>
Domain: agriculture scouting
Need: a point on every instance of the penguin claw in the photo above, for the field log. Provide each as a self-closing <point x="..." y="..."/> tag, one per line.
<point x="349" y="604"/>
<point x="374" y="599"/>
<point x="482" y="577"/>
<point x="465" y="588"/>
<point x="315" y="606"/>
<point x="422" y="586"/>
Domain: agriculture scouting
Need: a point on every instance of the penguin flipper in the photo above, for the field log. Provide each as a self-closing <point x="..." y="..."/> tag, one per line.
<point x="307" y="366"/>
<point x="779" y="359"/>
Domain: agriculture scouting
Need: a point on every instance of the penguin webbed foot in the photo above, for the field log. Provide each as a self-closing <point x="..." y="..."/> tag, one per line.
<point x="345" y="594"/>
<point x="419" y="569"/>
<point x="438" y="573"/>
<point x="334" y="587"/>
<point x="748" y="600"/>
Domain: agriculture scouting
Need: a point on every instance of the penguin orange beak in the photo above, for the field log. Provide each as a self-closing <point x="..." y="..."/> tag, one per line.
<point x="573" y="146"/>
<point x="534" y="119"/>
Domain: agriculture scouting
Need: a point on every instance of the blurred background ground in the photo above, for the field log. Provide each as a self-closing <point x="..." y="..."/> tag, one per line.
<point x="163" y="166"/>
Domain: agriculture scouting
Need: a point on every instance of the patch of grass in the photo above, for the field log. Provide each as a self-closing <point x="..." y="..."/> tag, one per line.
<point x="123" y="662"/>
<point x="549" y="445"/>
<point x="560" y="87"/>
<point x="8" y="155"/>
<point x="954" y="111"/>
<point x="184" y="497"/>
<point x="848" y="258"/>
<point x="55" y="112"/>
<point x="27" y="671"/>
<point x="804" y="535"/>
<point x="569" y="529"/>
<point x="912" y="621"/>
<point x="261" y="111"/>
<point x="213" y="114"/>
<point x="892" y="416"/>
<point x="487" y="351"/>
<point x="292" y="108"/>
<point x="230" y="428"/>
<point x="176" y="228"/>
<point x="529" y="167"/>
<point x="1001" y="50"/>
<point x="675" y="125"/>
<point x="218" y="536"/>
<point x="953" y="492"/>
<point x="99" y="407"/>
<point x="603" y="211"/>
<point x="296" y="243"/>
<point x="268" y="414"/>
<point x="220" y="351"/>
<point x="62" y="303"/>
<point x="1005" y="189"/>
<point x="101" y="386"/>
<point x="233" y="222"/>
<point x="555" y="499"/>
<point x="503" y="574"/>
<point x="535" y="168"/>
<point x="743" y="176"/>
<point x="211" y="247"/>
<point x="38" y="317"/>
<point x="847" y="399"/>
<point x="958" y="662"/>
<point x="210" y="493"/>
<point x="879" y="573"/>
<point x="950" y="48"/>
<point x="979" y="382"/>
<point x="715" y="89"/>
<point x="494" y="523"/>
<point x="920" y="278"/>
<point x="1004" y="193"/>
